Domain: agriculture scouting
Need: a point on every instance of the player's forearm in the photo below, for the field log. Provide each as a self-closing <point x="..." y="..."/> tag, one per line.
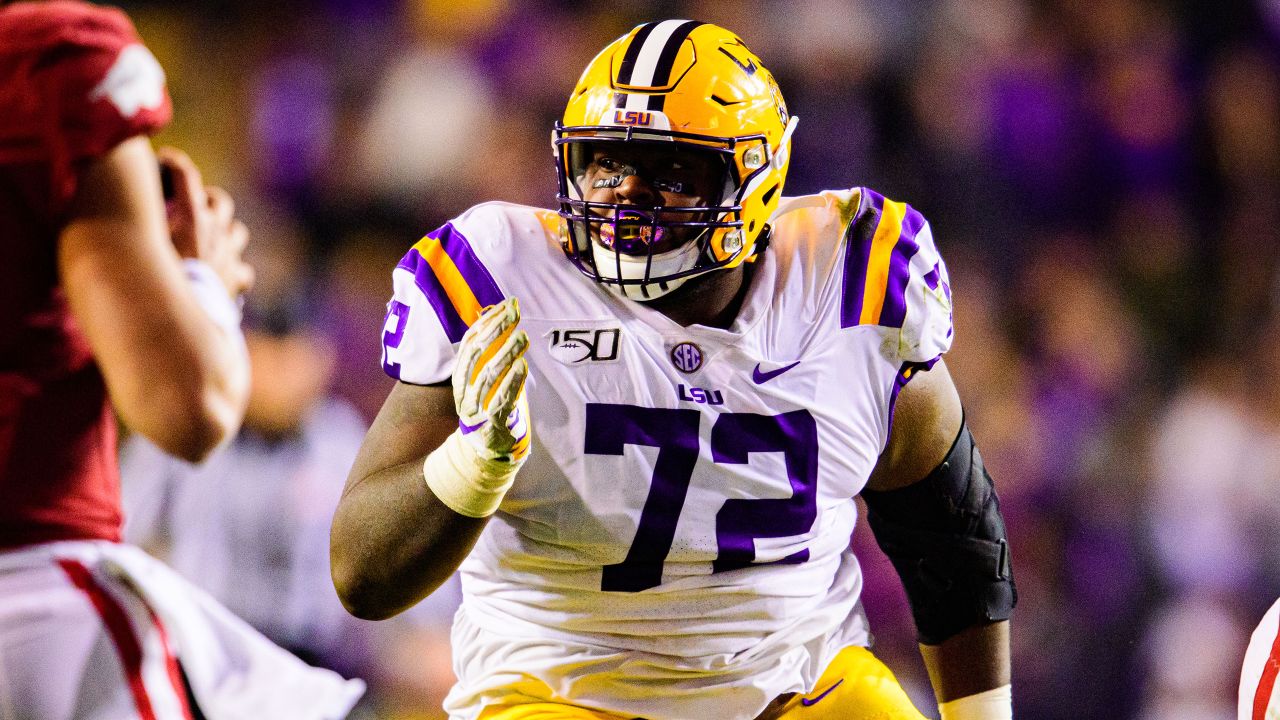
<point x="393" y="543"/>
<point x="169" y="347"/>
<point x="973" y="661"/>
<point x="214" y="340"/>
<point x="428" y="476"/>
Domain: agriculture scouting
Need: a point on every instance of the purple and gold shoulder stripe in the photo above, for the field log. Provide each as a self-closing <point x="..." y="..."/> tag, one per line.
<point x="458" y="286"/>
<point x="879" y="245"/>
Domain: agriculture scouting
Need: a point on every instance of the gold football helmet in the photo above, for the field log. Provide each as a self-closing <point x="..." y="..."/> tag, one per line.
<point x="686" y="105"/>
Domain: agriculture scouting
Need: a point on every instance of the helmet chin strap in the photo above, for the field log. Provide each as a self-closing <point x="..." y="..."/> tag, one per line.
<point x="675" y="261"/>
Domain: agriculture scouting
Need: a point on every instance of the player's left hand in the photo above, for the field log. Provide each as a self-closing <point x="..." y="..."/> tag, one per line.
<point x="488" y="385"/>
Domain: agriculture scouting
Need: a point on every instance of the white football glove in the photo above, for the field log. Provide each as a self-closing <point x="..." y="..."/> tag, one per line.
<point x="488" y="385"/>
<point x="476" y="465"/>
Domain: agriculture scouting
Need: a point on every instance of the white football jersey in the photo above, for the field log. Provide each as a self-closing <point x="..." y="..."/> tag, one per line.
<point x="677" y="544"/>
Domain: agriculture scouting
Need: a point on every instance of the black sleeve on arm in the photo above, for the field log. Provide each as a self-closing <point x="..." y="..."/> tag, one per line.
<point x="947" y="540"/>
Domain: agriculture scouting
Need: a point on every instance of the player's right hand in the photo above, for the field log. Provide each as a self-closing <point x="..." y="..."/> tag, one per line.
<point x="202" y="223"/>
<point x="488" y="385"/>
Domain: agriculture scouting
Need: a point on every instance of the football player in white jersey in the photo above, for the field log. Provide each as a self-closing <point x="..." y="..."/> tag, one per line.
<point x="637" y="424"/>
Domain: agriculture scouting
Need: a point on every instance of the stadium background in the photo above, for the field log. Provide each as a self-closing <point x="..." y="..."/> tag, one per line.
<point x="1102" y="177"/>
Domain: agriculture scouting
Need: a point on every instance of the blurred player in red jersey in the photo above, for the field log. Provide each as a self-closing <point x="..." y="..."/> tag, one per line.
<point x="106" y="311"/>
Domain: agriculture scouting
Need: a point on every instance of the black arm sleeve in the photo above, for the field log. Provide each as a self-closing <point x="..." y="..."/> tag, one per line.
<point x="947" y="540"/>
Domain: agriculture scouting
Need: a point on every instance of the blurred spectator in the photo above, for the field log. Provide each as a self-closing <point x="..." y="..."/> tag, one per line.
<point x="1243" y="108"/>
<point x="1214" y="519"/>
<point x="1194" y="651"/>
<point x="1040" y="141"/>
<point x="251" y="527"/>
<point x="352" y="299"/>
<point x="293" y="124"/>
<point x="1214" y="512"/>
<point x="432" y="114"/>
<point x="1159" y="270"/>
<point x="1141" y="103"/>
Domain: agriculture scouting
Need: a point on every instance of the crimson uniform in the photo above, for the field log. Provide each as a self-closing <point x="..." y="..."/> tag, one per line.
<point x="74" y="82"/>
<point x="89" y="627"/>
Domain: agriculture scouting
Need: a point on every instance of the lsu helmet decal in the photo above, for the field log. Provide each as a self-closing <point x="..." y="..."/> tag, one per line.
<point x="694" y="94"/>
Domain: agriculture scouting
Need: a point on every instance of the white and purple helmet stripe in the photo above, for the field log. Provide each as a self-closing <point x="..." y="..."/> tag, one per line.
<point x="648" y="62"/>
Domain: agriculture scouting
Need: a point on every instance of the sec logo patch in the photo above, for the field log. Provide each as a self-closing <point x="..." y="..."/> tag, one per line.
<point x="687" y="357"/>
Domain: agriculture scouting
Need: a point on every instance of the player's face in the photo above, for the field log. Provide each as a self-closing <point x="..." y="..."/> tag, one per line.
<point x="646" y="176"/>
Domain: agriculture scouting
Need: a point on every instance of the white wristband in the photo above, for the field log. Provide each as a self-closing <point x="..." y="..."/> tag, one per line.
<point x="213" y="298"/>
<point x="993" y="704"/>
<point x="465" y="482"/>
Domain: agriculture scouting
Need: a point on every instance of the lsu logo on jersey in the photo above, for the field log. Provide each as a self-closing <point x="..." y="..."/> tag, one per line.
<point x="575" y="347"/>
<point x="702" y="396"/>
<point x="632" y="117"/>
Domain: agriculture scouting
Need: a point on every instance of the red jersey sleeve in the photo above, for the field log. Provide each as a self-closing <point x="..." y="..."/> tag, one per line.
<point x="82" y="82"/>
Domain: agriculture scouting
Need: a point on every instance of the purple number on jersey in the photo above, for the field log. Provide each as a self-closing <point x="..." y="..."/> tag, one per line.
<point x="391" y="339"/>
<point x="733" y="438"/>
<point x="739" y="522"/>
<point x="675" y="434"/>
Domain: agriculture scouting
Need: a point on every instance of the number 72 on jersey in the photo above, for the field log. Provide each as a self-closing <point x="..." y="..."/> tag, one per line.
<point x="734" y="436"/>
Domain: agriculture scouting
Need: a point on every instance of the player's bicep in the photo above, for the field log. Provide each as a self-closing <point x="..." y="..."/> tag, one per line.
<point x="120" y="189"/>
<point x="926" y="419"/>
<point x="413" y="421"/>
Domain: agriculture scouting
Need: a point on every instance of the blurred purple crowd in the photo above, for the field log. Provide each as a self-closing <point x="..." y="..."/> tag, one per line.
<point x="1102" y="176"/>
